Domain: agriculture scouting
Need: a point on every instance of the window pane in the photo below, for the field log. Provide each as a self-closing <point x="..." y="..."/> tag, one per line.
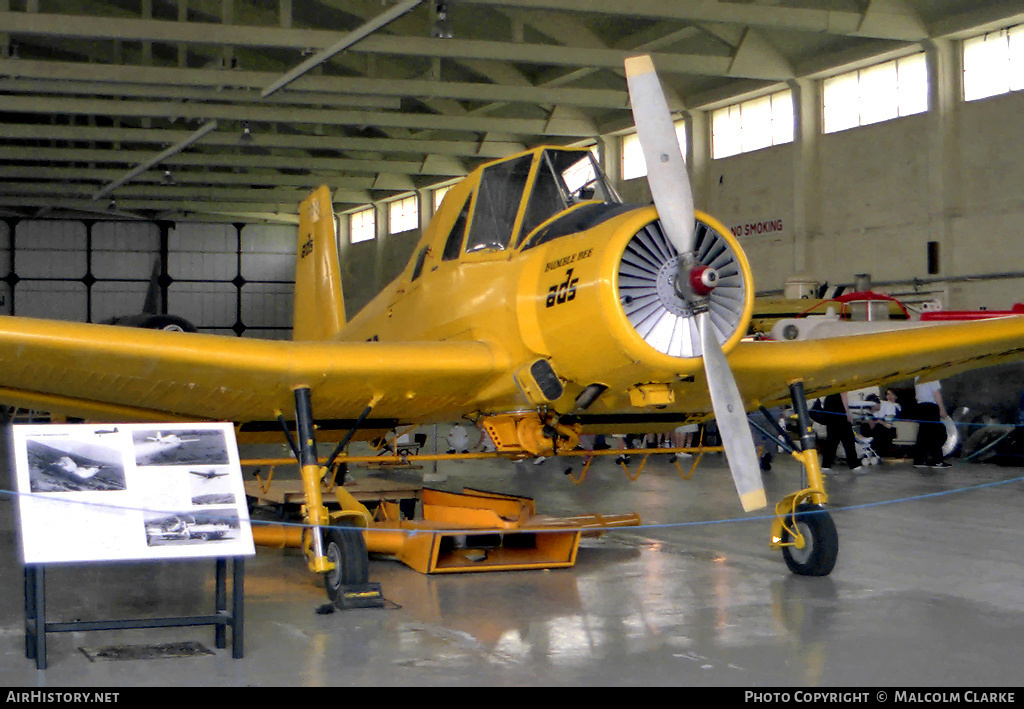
<point x="841" y="95"/>
<point x="497" y="204"/>
<point x="986" y="63"/>
<point x="453" y="244"/>
<point x="782" y="118"/>
<point x="912" y="85"/>
<point x="403" y="215"/>
<point x="756" y="124"/>
<point x="681" y="137"/>
<point x="362" y="225"/>
<point x="877" y="93"/>
<point x="725" y="132"/>
<point x="633" y="164"/>
<point x="439" y="194"/>
<point x="752" y="125"/>
<point x="578" y="174"/>
<point x="878" y="99"/>
<point x="1016" y="51"/>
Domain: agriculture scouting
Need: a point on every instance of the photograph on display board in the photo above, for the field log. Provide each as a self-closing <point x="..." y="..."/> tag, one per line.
<point x="211" y="486"/>
<point x="180" y="447"/>
<point x="191" y="527"/>
<point x="69" y="464"/>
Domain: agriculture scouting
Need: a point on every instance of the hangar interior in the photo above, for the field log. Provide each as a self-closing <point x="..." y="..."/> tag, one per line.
<point x="183" y="134"/>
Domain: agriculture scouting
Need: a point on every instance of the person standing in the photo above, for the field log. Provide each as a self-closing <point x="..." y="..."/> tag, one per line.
<point x="838" y="423"/>
<point x="931" y="433"/>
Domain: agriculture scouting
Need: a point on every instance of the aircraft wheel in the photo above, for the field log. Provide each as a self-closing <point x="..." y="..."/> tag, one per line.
<point x="171" y="323"/>
<point x="346" y="548"/>
<point x="818" y="557"/>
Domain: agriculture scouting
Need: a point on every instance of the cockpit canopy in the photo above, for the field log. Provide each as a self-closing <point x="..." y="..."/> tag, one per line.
<point x="552" y="179"/>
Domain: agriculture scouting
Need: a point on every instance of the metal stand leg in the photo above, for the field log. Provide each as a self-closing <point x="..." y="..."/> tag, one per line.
<point x="30" y="615"/>
<point x="220" y="594"/>
<point x="35" y="615"/>
<point x="237" y="595"/>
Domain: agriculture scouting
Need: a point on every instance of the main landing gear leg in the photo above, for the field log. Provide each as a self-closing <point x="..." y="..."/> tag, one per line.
<point x="802" y="528"/>
<point x="338" y="551"/>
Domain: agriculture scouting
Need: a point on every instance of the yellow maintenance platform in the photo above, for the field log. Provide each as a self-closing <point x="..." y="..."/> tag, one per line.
<point x="467" y="531"/>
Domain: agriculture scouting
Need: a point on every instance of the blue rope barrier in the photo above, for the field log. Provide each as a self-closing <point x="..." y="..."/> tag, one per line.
<point x="667" y="525"/>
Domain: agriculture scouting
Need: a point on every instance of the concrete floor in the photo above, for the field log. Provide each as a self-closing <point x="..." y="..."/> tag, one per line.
<point x="927" y="592"/>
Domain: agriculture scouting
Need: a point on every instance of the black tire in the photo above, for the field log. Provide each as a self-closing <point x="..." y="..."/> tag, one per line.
<point x="818" y="557"/>
<point x="345" y="545"/>
<point x="172" y="323"/>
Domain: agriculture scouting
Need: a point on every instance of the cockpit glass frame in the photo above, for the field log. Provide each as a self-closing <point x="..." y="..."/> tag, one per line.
<point x="496" y="207"/>
<point x="564" y="178"/>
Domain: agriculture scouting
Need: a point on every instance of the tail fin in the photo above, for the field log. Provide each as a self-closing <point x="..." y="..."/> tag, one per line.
<point x="319" y="303"/>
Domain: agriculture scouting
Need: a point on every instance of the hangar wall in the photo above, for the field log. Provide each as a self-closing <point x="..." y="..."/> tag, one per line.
<point x="869" y="199"/>
<point x="224" y="278"/>
<point x="368" y="266"/>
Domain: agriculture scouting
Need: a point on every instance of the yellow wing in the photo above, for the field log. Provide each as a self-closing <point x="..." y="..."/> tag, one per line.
<point x="114" y="373"/>
<point x="110" y="373"/>
<point x="763" y="369"/>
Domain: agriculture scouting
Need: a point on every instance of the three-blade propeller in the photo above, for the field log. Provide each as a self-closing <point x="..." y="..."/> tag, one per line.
<point x="670" y="190"/>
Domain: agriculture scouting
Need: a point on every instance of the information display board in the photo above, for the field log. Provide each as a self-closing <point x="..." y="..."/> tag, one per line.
<point x="90" y="492"/>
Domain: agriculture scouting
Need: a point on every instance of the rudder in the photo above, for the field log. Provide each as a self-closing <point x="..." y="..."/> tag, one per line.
<point x="319" y="305"/>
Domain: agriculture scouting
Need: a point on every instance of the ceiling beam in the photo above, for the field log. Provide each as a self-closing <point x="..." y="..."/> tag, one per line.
<point x="261" y="139"/>
<point x="311" y="86"/>
<point x="770" y="16"/>
<point x="64" y="87"/>
<point x="181" y="145"/>
<point x="137" y="205"/>
<point x="345" y="42"/>
<point x="275" y="114"/>
<point x="195" y="193"/>
<point x="275" y="161"/>
<point x="85" y="27"/>
<point x="187" y="177"/>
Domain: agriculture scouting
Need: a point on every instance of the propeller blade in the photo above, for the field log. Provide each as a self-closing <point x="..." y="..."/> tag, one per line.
<point x="670" y="189"/>
<point x="732" y="420"/>
<point x="666" y="170"/>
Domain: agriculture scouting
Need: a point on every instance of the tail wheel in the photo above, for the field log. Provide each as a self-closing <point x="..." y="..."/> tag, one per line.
<point x="345" y="547"/>
<point x="821" y="542"/>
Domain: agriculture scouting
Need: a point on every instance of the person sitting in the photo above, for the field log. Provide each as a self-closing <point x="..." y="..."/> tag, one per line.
<point x="458" y="439"/>
<point x="880" y="428"/>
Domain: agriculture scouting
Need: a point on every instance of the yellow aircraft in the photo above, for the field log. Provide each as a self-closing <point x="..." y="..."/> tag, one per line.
<point x="536" y="304"/>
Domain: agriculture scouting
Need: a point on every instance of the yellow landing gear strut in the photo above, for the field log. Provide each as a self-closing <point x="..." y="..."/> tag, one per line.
<point x="802" y="528"/>
<point x="334" y="543"/>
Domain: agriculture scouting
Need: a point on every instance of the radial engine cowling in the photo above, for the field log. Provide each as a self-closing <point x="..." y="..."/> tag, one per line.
<point x="611" y="311"/>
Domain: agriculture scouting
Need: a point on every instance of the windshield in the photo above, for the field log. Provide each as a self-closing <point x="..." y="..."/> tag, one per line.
<point x="497" y="204"/>
<point x="564" y="178"/>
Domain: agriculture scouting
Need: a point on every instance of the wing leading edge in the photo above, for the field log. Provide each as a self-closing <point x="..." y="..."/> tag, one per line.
<point x="764" y="369"/>
<point x="105" y="372"/>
